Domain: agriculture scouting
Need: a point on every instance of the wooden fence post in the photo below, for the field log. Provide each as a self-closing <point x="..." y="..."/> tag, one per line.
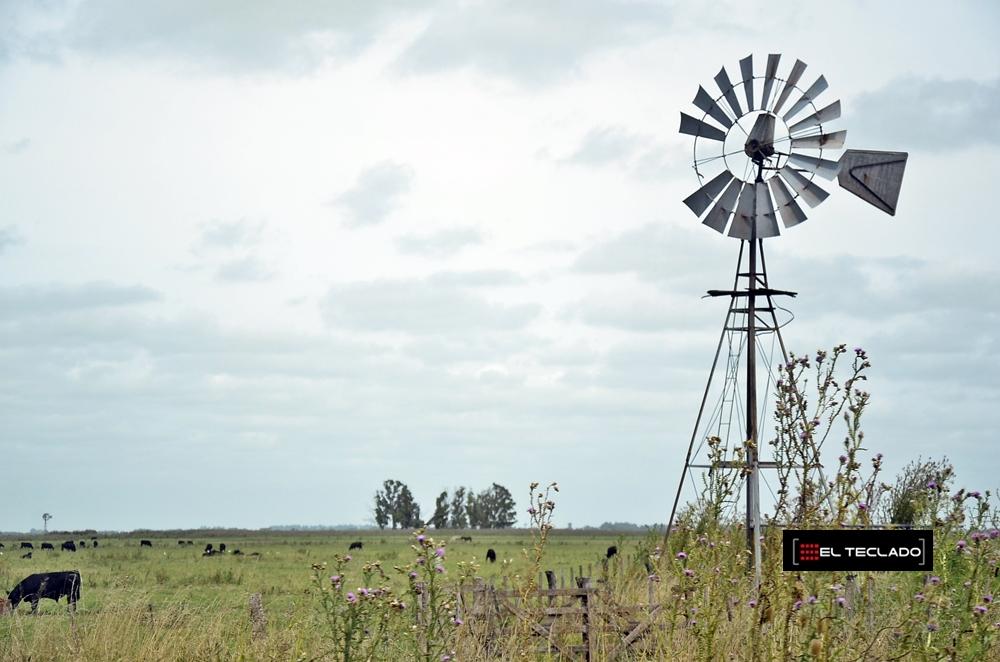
<point x="258" y="619"/>
<point x="589" y="641"/>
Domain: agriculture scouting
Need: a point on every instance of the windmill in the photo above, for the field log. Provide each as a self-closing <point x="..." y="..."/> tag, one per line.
<point x="755" y="165"/>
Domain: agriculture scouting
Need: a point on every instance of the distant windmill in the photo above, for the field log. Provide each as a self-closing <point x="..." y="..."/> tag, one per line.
<point x="764" y="159"/>
<point x="45" y="522"/>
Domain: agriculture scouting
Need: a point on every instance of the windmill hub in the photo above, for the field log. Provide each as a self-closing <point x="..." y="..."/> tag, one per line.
<point x="760" y="142"/>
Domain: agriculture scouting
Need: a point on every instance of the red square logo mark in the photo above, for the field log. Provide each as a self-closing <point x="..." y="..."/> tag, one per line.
<point x="808" y="551"/>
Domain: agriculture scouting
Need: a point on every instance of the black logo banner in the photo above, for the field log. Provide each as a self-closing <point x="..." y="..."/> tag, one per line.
<point x="862" y="550"/>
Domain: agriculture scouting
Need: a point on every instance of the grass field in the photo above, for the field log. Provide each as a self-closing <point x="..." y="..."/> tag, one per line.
<point x="169" y="600"/>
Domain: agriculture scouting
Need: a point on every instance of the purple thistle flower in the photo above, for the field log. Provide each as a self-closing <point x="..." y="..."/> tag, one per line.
<point x="421" y="538"/>
<point x="994" y="533"/>
<point x="797" y="605"/>
<point x="351" y="597"/>
<point x="932" y="627"/>
<point x="975" y="494"/>
<point x="445" y="657"/>
<point x="420" y="560"/>
<point x="347" y="558"/>
<point x="978" y="610"/>
<point x="439" y="552"/>
<point x="919" y="597"/>
<point x="363" y="592"/>
<point x="960" y="545"/>
<point x="843" y="459"/>
<point x="531" y="511"/>
<point x="413" y="574"/>
<point x="932" y="485"/>
<point x="439" y="568"/>
<point x="935" y="580"/>
<point x="862" y="506"/>
<point x="335" y="579"/>
<point x="457" y="620"/>
<point x="841" y="601"/>
<point x="752" y="604"/>
<point x="688" y="572"/>
<point x="812" y="599"/>
<point x="988" y="598"/>
<point x="681" y="556"/>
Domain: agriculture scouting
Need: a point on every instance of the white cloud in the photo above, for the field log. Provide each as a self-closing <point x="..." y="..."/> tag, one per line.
<point x="376" y="193"/>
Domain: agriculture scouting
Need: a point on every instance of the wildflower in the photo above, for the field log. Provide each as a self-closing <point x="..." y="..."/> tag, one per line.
<point x="347" y="557"/>
<point x="935" y="580"/>
<point x="841" y="601"/>
<point x="812" y="599"/>
<point x="363" y="592"/>
<point x="457" y="621"/>
<point x="421" y="538"/>
<point x="932" y="627"/>
<point x="439" y="552"/>
<point x="445" y="657"/>
<point x="688" y="572"/>
<point x="975" y="494"/>
<point x="654" y="578"/>
<point x="439" y="568"/>
<point x="843" y="459"/>
<point x="421" y="560"/>
<point x="797" y="605"/>
<point x="413" y="574"/>
<point x="335" y="579"/>
<point x="859" y="351"/>
<point x="862" y="506"/>
<point x="979" y="610"/>
<point x="351" y="597"/>
<point x="531" y="511"/>
<point x="960" y="545"/>
<point x="752" y="604"/>
<point x="932" y="485"/>
<point x="681" y="556"/>
<point x="919" y="597"/>
<point x="988" y="598"/>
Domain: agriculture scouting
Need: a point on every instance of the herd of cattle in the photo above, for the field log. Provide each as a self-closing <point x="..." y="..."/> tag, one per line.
<point x="56" y="585"/>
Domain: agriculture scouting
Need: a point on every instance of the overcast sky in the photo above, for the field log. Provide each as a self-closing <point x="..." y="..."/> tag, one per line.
<point x="257" y="257"/>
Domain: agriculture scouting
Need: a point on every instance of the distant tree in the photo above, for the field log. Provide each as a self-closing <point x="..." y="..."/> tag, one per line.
<point x="407" y="510"/>
<point x="387" y="503"/>
<point x="439" y="520"/>
<point x="457" y="512"/>
<point x="907" y="500"/>
<point x="497" y="508"/>
<point x="45" y="522"/>
<point x="474" y="511"/>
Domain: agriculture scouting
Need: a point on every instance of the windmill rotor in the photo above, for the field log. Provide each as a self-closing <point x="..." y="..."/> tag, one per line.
<point x="776" y="131"/>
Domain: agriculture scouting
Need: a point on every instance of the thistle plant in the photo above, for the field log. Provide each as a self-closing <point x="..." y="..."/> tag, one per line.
<point x="357" y="619"/>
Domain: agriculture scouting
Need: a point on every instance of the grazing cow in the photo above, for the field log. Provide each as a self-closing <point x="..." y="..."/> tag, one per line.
<point x="466" y="538"/>
<point x="357" y="544"/>
<point x="190" y="542"/>
<point x="52" y="585"/>
<point x="145" y="543"/>
<point x="1" y="545"/>
<point x="237" y="552"/>
<point x="83" y="543"/>
<point x="47" y="545"/>
<point x="180" y="542"/>
<point x="93" y="542"/>
<point x="26" y="556"/>
<point x="27" y="545"/>
<point x="209" y="552"/>
<point x="491" y="556"/>
<point x="208" y="547"/>
<point x="222" y="548"/>
<point x="612" y="551"/>
<point x="68" y="546"/>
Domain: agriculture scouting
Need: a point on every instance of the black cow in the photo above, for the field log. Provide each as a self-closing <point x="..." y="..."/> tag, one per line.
<point x="208" y="547"/>
<point x="47" y="545"/>
<point x="93" y="542"/>
<point x="68" y="546"/>
<point x="1" y="545"/>
<point x="145" y="543"/>
<point x="357" y="544"/>
<point x="612" y="551"/>
<point x="237" y="552"/>
<point x="180" y="542"/>
<point x="222" y="548"/>
<point x="83" y="543"/>
<point x="491" y="556"/>
<point x="190" y="542"/>
<point x="52" y="585"/>
<point x="26" y="556"/>
<point x="466" y="538"/>
<point x="27" y="545"/>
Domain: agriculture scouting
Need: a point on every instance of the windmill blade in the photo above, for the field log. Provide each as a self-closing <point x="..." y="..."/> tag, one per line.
<point x="744" y="215"/>
<point x="707" y="104"/>
<point x="746" y="70"/>
<point x="767" y="222"/>
<point x="827" y="114"/>
<point x="699" y="201"/>
<point x="724" y="206"/>
<point x="833" y="140"/>
<point x="769" y="74"/>
<point x="823" y="167"/>
<point x="875" y="177"/>
<point x="808" y="97"/>
<point x="722" y="80"/>
<point x="791" y="213"/>
<point x="694" y="127"/>
<point x="807" y="190"/>
<point x="793" y="78"/>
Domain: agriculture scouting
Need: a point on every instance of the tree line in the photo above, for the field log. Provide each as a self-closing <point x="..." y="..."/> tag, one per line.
<point x="492" y="508"/>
